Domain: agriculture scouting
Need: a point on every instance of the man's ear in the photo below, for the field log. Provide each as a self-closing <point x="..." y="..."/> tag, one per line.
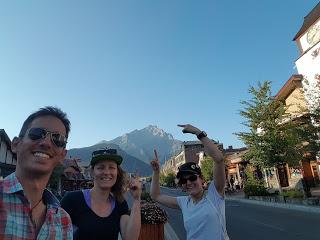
<point x="14" y="144"/>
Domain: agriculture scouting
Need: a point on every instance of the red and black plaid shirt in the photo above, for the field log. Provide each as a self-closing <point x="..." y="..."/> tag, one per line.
<point x="15" y="214"/>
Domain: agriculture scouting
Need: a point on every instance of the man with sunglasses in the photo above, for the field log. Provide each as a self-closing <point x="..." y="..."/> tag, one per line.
<point x="27" y="209"/>
<point x="203" y="213"/>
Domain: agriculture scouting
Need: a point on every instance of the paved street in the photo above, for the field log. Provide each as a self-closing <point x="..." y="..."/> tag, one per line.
<point x="174" y="215"/>
<point x="247" y="221"/>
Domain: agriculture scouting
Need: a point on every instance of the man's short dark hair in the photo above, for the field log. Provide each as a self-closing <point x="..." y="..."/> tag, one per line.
<point x="46" y="111"/>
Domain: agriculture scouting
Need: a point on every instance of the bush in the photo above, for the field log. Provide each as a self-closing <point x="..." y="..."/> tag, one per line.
<point x="292" y="194"/>
<point x="168" y="180"/>
<point x="254" y="186"/>
<point x="253" y="189"/>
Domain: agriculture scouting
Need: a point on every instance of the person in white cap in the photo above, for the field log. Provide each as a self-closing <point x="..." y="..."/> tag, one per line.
<point x="203" y="213"/>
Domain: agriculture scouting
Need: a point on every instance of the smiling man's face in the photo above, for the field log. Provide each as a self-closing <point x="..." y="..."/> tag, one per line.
<point x="39" y="157"/>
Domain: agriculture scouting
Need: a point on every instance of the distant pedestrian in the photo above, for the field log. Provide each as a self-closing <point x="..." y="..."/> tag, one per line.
<point x="27" y="209"/>
<point x="236" y="184"/>
<point x="231" y="183"/>
<point x="102" y="212"/>
<point x="203" y="213"/>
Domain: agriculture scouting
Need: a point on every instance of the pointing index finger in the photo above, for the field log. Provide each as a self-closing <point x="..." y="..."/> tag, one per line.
<point x="137" y="174"/>
<point x="155" y="154"/>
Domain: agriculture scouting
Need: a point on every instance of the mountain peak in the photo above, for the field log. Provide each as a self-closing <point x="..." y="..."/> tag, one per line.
<point x="155" y="131"/>
<point x="141" y="143"/>
<point x="150" y="127"/>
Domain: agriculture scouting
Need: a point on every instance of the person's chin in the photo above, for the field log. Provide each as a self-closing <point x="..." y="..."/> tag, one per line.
<point x="190" y="191"/>
<point x="106" y="186"/>
<point x="40" y="170"/>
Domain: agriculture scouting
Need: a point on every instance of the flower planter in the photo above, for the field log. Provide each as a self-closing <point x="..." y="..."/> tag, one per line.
<point x="152" y="231"/>
<point x="153" y="219"/>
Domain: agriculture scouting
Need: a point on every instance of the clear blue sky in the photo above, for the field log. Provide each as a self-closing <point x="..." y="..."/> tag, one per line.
<point x="116" y="66"/>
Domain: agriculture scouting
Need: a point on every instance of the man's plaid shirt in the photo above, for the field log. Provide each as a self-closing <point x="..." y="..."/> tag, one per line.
<point x="15" y="217"/>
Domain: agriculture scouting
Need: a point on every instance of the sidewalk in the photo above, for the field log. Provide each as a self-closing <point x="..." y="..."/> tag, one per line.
<point x="239" y="197"/>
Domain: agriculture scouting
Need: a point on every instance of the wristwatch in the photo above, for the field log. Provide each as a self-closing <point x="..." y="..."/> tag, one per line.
<point x="201" y="135"/>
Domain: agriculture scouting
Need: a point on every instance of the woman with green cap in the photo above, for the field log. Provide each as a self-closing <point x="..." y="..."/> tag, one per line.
<point x="102" y="212"/>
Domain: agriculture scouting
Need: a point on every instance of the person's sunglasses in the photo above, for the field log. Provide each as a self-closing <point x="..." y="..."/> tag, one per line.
<point x="40" y="133"/>
<point x="191" y="178"/>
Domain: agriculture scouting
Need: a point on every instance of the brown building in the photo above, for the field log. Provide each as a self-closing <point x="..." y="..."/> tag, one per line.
<point x="293" y="95"/>
<point x="192" y="149"/>
<point x="73" y="178"/>
<point x="235" y="164"/>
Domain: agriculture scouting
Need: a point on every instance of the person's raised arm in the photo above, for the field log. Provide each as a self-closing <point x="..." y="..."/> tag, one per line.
<point x="155" y="186"/>
<point x="130" y="225"/>
<point x="212" y="150"/>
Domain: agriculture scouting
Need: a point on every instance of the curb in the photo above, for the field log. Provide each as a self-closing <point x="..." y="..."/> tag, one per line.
<point x="169" y="233"/>
<point x="278" y="205"/>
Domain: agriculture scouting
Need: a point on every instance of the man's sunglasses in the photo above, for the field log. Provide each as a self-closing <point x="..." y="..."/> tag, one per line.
<point x="191" y="178"/>
<point x="41" y="133"/>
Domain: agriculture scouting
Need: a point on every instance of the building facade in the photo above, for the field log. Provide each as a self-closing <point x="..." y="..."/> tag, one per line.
<point x="235" y="164"/>
<point x="8" y="160"/>
<point x="191" y="151"/>
<point x="73" y="177"/>
<point x="293" y="95"/>
<point x="172" y="164"/>
<point x="308" y="63"/>
<point x="301" y="94"/>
